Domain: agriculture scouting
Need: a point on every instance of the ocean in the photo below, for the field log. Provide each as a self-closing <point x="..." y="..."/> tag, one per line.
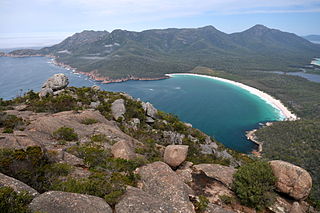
<point x="222" y="110"/>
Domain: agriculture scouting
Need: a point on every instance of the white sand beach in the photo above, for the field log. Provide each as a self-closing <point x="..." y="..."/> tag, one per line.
<point x="266" y="97"/>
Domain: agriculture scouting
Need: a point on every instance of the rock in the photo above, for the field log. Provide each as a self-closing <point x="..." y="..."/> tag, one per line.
<point x="137" y="201"/>
<point x="118" y="109"/>
<point x="95" y="88"/>
<point x="21" y="107"/>
<point x="185" y="174"/>
<point x="174" y="155"/>
<point x="221" y="173"/>
<point x="16" y="185"/>
<point x="124" y="150"/>
<point x="149" y="109"/>
<point x="149" y="120"/>
<point x="158" y="180"/>
<point x="296" y="208"/>
<point x="56" y="82"/>
<point x="188" y="125"/>
<point x="45" y="91"/>
<point x="173" y="137"/>
<point x="94" y="104"/>
<point x="291" y="179"/>
<point x="58" y="92"/>
<point x="213" y="208"/>
<point x="134" y="123"/>
<point x="60" y="156"/>
<point x="66" y="202"/>
<point x="127" y="95"/>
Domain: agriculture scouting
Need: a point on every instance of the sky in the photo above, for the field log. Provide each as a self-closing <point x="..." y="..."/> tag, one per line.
<point x="30" y="23"/>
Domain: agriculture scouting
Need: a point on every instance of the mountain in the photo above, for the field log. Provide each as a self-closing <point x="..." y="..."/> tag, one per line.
<point x="152" y="53"/>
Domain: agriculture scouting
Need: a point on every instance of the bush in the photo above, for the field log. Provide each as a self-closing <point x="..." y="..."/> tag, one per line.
<point x="201" y="203"/>
<point x="13" y="202"/>
<point x="254" y="185"/>
<point x="89" y="121"/>
<point x="65" y="133"/>
<point x="32" y="167"/>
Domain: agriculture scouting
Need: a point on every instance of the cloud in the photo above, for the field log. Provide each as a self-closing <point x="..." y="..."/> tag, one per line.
<point x="160" y="8"/>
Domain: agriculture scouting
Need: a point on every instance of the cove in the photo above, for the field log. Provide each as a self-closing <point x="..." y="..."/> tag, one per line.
<point x="222" y="110"/>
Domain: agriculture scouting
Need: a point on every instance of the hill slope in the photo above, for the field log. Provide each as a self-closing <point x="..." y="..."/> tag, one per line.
<point x="152" y="53"/>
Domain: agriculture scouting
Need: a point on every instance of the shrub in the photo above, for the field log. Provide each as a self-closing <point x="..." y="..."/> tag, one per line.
<point x="10" y="122"/>
<point x="89" y="121"/>
<point x="32" y="167"/>
<point x="65" y="133"/>
<point x="254" y="185"/>
<point x="201" y="203"/>
<point x="13" y="202"/>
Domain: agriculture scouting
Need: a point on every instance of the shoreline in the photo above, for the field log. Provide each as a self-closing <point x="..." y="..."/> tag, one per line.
<point x="94" y="75"/>
<point x="287" y="114"/>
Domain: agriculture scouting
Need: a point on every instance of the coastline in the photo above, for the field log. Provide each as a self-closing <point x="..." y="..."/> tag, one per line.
<point x="287" y="114"/>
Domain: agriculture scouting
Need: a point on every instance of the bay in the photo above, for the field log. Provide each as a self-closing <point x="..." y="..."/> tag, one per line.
<point x="222" y="110"/>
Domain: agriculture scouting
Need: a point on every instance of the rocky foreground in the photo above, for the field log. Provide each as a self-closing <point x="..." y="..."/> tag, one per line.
<point x="71" y="149"/>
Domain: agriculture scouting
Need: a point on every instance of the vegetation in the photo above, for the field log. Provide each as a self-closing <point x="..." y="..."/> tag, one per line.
<point x="13" y="202"/>
<point x="296" y="142"/>
<point x="109" y="175"/>
<point x="149" y="54"/>
<point x="254" y="185"/>
<point x="200" y="204"/>
<point x="10" y="122"/>
<point x="65" y="133"/>
<point x="32" y="167"/>
<point x="89" y="121"/>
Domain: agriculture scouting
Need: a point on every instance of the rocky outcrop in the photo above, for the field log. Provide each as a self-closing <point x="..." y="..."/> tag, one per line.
<point x="137" y="201"/>
<point x="66" y="202"/>
<point x="174" y="155"/>
<point x="212" y="208"/>
<point x="124" y="150"/>
<point x="173" y="137"/>
<point x="291" y="179"/>
<point x="118" y="109"/>
<point x="158" y="180"/>
<point x="149" y="109"/>
<point x="218" y="172"/>
<point x="16" y="185"/>
<point x="55" y="83"/>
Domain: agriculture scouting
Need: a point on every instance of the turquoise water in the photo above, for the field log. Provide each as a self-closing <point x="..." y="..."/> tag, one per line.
<point x="222" y="110"/>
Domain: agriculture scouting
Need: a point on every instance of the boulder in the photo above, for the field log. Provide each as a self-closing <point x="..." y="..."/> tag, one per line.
<point x="66" y="202"/>
<point x="94" y="104"/>
<point x="118" y="109"/>
<point x="213" y="208"/>
<point x="16" y="185"/>
<point x="124" y="150"/>
<point x="149" y="109"/>
<point x="291" y="179"/>
<point x="174" y="155"/>
<point x="149" y="120"/>
<point x="137" y="201"/>
<point x="185" y="172"/>
<point x="224" y="174"/>
<point x="56" y="82"/>
<point x="158" y="180"/>
<point x="45" y="91"/>
<point x="95" y="88"/>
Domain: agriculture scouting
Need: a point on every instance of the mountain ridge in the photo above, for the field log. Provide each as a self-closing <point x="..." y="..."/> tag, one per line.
<point x="152" y="53"/>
